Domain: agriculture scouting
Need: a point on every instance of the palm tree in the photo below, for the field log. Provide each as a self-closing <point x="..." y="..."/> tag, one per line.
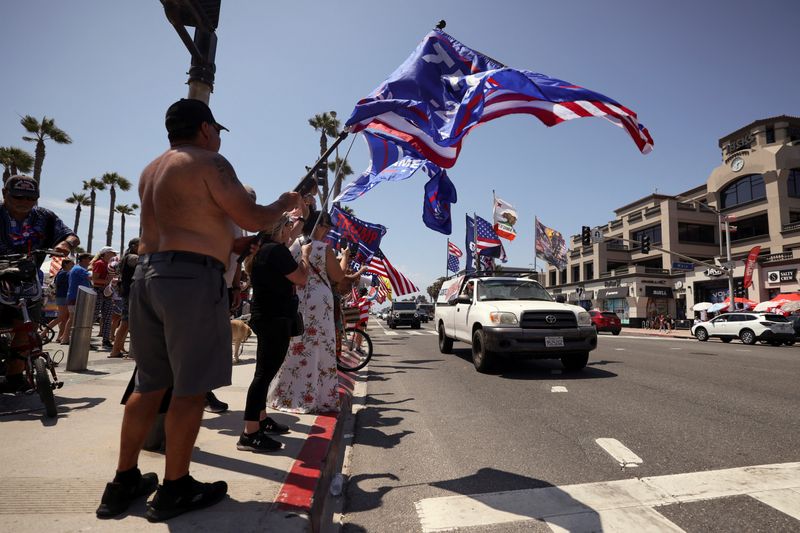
<point x="80" y="200"/>
<point x="328" y="126"/>
<point x="339" y="174"/>
<point x="42" y="131"/>
<point x="113" y="180"/>
<point x="124" y="210"/>
<point x="14" y="161"/>
<point x="93" y="185"/>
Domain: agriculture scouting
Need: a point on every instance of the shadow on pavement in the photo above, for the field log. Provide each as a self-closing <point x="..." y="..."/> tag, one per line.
<point x="29" y="407"/>
<point x="522" y="368"/>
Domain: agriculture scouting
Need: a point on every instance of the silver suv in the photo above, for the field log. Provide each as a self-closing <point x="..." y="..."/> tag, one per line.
<point x="748" y="327"/>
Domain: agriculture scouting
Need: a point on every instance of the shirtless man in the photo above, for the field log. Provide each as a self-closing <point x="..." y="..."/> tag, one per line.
<point x="191" y="200"/>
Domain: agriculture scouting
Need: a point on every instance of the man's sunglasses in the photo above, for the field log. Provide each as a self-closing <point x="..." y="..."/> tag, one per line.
<point x="18" y="197"/>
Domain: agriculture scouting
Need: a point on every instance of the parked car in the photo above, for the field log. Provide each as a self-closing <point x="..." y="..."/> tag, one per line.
<point x="748" y="327"/>
<point x="606" y="321"/>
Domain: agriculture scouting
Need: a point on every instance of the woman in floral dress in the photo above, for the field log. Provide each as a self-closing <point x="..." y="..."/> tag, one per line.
<point x="307" y="382"/>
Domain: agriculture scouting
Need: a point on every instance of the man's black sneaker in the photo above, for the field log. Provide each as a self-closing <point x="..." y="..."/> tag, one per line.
<point x="268" y="425"/>
<point x="194" y="495"/>
<point x="214" y="405"/>
<point x="118" y="496"/>
<point x="257" y="442"/>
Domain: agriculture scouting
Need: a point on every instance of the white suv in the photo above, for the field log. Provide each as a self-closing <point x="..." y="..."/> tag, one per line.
<point x="749" y="327"/>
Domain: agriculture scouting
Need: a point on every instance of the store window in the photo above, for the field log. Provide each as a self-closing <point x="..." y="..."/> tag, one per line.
<point x="618" y="306"/>
<point x="751" y="227"/>
<point x="654" y="232"/>
<point x="793" y="183"/>
<point x="743" y="190"/>
<point x="698" y="233"/>
<point x="588" y="271"/>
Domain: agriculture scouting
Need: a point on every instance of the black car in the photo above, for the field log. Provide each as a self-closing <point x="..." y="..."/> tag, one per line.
<point x="403" y="314"/>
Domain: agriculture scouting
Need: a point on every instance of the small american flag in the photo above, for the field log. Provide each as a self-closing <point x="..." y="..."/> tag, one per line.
<point x="486" y="237"/>
<point x="452" y="249"/>
<point x="452" y="263"/>
<point x="381" y="266"/>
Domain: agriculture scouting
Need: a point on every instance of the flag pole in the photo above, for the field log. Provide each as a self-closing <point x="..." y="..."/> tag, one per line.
<point x="535" y="236"/>
<point x="342" y="136"/>
<point x="447" y="259"/>
<point x="475" y="240"/>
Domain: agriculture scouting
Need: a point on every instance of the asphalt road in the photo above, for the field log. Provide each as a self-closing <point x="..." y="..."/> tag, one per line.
<point x="654" y="433"/>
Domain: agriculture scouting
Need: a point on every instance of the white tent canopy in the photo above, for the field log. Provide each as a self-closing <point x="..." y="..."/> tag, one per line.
<point x="702" y="306"/>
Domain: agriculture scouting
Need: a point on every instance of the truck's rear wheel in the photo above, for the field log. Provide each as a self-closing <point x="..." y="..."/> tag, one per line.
<point x="481" y="357"/>
<point x="574" y="363"/>
<point x="445" y="342"/>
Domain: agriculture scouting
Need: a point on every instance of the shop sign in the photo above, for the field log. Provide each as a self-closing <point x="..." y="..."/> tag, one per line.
<point x="739" y="144"/>
<point x="680" y="265"/>
<point x="782" y="276"/>
<point x="658" y="292"/>
<point x="618" y="292"/>
<point x="714" y="272"/>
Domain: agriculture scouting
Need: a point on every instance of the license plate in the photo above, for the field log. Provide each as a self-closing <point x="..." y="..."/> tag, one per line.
<point x="554" y="342"/>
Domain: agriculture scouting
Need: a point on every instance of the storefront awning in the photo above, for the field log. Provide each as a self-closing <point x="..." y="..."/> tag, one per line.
<point x="616" y="292"/>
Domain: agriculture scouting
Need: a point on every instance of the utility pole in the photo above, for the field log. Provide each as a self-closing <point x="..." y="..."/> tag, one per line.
<point x="729" y="270"/>
<point x="203" y="15"/>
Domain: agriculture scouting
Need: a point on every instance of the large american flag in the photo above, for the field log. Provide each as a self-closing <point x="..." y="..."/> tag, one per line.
<point x="381" y="266"/>
<point x="444" y="89"/>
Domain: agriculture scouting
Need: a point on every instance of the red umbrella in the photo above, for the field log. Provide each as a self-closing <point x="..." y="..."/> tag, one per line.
<point x="741" y="303"/>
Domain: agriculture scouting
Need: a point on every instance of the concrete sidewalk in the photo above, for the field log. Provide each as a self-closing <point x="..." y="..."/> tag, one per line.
<point x="54" y="470"/>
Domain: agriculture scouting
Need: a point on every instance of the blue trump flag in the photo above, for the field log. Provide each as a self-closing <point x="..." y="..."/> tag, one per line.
<point x="367" y="235"/>
<point x="439" y="194"/>
<point x="444" y="89"/>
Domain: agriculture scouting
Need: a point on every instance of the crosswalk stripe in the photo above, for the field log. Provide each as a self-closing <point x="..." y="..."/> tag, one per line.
<point x="391" y="333"/>
<point x="773" y="482"/>
<point x="558" y="388"/>
<point x="786" y="501"/>
<point x="640" y="519"/>
<point x="415" y="333"/>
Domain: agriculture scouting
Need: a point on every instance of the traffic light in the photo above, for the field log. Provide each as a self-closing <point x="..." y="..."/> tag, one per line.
<point x="646" y="244"/>
<point x="586" y="235"/>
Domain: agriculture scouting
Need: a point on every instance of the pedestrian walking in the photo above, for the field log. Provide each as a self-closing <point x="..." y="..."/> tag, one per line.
<point x="101" y="278"/>
<point x="61" y="284"/>
<point x="190" y="199"/>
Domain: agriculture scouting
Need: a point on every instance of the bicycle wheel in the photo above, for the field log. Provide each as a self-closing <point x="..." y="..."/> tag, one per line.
<point x="356" y="350"/>
<point x="42" y="379"/>
<point x="46" y="333"/>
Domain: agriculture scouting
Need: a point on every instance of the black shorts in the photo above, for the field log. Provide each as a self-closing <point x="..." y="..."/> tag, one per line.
<point x="179" y="323"/>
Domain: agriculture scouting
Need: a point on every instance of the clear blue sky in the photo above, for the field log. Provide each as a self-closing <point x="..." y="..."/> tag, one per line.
<point x="106" y="70"/>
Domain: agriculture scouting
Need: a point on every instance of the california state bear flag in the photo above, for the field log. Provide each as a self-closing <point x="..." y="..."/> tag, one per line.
<point x="505" y="216"/>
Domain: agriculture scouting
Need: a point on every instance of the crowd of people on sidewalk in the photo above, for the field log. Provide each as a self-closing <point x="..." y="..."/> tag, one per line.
<point x="194" y="248"/>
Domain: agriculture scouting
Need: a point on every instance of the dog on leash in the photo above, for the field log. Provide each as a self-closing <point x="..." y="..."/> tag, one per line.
<point x="240" y="332"/>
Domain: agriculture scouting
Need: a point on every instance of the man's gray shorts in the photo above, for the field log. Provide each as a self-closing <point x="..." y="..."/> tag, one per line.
<point x="179" y="323"/>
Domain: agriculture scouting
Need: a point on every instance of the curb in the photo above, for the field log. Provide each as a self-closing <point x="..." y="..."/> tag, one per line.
<point x="306" y="485"/>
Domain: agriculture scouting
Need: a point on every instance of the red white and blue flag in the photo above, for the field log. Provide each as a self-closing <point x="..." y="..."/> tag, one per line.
<point x="444" y="89"/>
<point x="381" y="266"/>
<point x="452" y="249"/>
<point x="482" y="239"/>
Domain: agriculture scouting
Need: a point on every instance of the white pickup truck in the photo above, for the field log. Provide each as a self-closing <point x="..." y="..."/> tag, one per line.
<point x="514" y="316"/>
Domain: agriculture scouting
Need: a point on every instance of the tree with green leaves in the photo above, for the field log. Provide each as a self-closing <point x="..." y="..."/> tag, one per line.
<point x="113" y="180"/>
<point x="15" y="161"/>
<point x="341" y="169"/>
<point x="46" y="130"/>
<point x="80" y="200"/>
<point x="433" y="289"/>
<point x="93" y="185"/>
<point x="328" y="126"/>
<point x="124" y="210"/>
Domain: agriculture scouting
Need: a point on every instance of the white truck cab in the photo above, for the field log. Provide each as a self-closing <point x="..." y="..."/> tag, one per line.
<point x="513" y="315"/>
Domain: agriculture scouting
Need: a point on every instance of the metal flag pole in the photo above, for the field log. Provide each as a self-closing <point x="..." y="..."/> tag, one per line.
<point x="447" y="260"/>
<point x="475" y="241"/>
<point x="342" y="136"/>
<point x="535" y="236"/>
<point x="324" y="200"/>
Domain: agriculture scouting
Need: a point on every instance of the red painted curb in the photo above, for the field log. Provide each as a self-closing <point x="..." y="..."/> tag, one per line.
<point x="301" y="483"/>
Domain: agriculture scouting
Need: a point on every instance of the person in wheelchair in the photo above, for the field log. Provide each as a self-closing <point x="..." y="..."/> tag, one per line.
<point x="24" y="228"/>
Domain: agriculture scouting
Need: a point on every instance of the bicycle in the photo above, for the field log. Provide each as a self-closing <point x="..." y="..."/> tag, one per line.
<point x="19" y="286"/>
<point x="355" y="349"/>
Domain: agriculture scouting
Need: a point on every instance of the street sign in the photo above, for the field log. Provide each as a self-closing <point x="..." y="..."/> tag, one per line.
<point x="597" y="235"/>
<point x="730" y="265"/>
<point x="714" y="272"/>
<point x="732" y="228"/>
<point x="680" y="265"/>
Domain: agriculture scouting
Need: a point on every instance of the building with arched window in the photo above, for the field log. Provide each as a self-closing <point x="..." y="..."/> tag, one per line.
<point x="755" y="189"/>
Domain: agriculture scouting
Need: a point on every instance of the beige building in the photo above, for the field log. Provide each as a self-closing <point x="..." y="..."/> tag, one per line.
<point x="756" y="188"/>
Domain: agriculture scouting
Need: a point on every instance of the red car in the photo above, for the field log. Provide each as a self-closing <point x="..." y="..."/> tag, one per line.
<point x="606" y="321"/>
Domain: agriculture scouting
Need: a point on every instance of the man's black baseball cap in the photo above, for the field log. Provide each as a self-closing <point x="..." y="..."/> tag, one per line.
<point x="23" y="186"/>
<point x="189" y="113"/>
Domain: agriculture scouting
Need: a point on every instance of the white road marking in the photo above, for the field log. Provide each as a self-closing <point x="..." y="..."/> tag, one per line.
<point x="391" y="333"/>
<point x="786" y="501"/>
<point x="619" y="349"/>
<point x="415" y="333"/>
<point x="558" y="388"/>
<point x="676" y="348"/>
<point x="738" y="350"/>
<point x="621" y="454"/>
<point x="625" y="519"/>
<point x="620" y="502"/>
